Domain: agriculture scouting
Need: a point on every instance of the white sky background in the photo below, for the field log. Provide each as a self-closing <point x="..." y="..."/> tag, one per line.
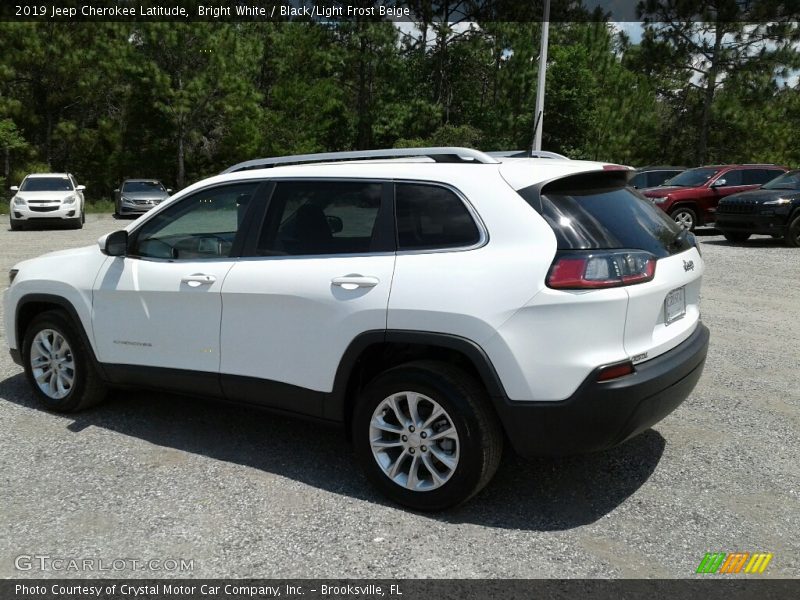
<point x="633" y="29"/>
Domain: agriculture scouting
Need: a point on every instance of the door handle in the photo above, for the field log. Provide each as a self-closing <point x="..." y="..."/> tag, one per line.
<point x="352" y="282"/>
<point x="198" y="279"/>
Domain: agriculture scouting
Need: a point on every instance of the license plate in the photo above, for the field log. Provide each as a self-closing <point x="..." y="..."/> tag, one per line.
<point x="675" y="305"/>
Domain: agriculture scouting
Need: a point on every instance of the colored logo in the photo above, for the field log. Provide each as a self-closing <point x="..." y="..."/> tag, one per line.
<point x="736" y="562"/>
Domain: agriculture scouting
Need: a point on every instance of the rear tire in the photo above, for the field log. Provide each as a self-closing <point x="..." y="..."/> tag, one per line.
<point x="59" y="366"/>
<point x="792" y="235"/>
<point x="685" y="217"/>
<point x="736" y="237"/>
<point x="464" y="442"/>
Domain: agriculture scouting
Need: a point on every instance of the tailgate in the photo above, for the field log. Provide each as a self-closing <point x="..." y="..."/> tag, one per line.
<point x="651" y="328"/>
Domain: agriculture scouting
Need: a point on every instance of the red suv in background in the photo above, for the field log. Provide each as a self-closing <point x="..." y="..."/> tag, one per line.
<point x="691" y="197"/>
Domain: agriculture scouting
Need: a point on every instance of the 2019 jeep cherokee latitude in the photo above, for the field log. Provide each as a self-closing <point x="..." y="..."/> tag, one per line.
<point x="436" y="308"/>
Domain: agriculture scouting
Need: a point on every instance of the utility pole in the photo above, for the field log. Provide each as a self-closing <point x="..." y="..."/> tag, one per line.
<point x="538" y="116"/>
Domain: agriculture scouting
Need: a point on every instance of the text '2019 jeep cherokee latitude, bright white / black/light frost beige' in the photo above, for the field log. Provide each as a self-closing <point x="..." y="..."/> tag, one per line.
<point x="437" y="302"/>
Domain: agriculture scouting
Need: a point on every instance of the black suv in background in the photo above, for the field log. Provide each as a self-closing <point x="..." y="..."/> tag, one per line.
<point x="773" y="209"/>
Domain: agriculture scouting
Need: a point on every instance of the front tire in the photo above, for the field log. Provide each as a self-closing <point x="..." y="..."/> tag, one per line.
<point x="736" y="237"/>
<point x="792" y="235"/>
<point x="15" y="224"/>
<point x="426" y="435"/>
<point x="685" y="217"/>
<point x="59" y="366"/>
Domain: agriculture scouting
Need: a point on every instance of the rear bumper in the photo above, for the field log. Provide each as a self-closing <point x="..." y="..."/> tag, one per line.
<point x="753" y="223"/>
<point x="602" y="415"/>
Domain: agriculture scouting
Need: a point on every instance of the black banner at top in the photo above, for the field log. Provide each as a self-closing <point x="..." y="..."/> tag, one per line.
<point x="428" y="11"/>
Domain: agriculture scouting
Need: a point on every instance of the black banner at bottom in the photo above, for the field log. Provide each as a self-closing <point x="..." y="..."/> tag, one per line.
<point x="399" y="589"/>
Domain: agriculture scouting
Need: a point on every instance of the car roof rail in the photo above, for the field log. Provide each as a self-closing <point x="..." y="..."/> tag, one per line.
<point x="444" y="154"/>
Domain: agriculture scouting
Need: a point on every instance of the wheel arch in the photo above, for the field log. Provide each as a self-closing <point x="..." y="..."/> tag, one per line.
<point x="31" y="305"/>
<point x="375" y="351"/>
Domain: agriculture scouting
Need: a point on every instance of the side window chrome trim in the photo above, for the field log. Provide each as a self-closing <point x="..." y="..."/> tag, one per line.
<point x="483" y="232"/>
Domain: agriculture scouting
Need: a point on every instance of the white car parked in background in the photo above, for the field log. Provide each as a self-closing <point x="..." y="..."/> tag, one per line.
<point x="48" y="198"/>
<point x="435" y="309"/>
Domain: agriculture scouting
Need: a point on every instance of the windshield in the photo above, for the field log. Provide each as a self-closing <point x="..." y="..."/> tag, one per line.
<point x="692" y="177"/>
<point x="143" y="186"/>
<point x="46" y="184"/>
<point x="787" y="181"/>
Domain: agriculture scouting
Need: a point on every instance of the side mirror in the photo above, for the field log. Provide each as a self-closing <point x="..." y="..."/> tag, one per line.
<point x="114" y="244"/>
<point x="14" y="188"/>
<point x="80" y="188"/>
<point x="334" y="223"/>
<point x="719" y="183"/>
<point x="169" y="190"/>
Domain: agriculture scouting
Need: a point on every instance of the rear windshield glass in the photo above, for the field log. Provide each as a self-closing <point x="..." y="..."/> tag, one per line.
<point x="607" y="219"/>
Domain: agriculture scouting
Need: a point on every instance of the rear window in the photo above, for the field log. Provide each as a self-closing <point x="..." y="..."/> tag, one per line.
<point x="606" y="218"/>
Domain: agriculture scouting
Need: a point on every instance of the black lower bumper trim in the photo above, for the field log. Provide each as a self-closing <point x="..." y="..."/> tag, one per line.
<point x="600" y="415"/>
<point x="754" y="223"/>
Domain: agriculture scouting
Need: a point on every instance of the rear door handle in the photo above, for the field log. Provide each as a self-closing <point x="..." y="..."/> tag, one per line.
<point x="352" y="282"/>
<point x="198" y="279"/>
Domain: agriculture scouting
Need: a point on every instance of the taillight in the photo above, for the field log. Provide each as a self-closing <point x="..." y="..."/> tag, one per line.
<point x="600" y="269"/>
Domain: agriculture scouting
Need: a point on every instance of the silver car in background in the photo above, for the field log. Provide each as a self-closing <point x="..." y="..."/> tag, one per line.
<point x="137" y="196"/>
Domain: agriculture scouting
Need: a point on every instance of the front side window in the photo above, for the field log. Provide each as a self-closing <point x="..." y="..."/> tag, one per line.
<point x="46" y="184"/>
<point x="204" y="225"/>
<point x="321" y="218"/>
<point x="431" y="217"/>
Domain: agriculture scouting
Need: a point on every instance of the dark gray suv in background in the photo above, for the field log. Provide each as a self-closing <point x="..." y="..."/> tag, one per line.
<point x="137" y="196"/>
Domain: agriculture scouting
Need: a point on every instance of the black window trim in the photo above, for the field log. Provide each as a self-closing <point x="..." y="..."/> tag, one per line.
<point x="243" y="234"/>
<point x="483" y="232"/>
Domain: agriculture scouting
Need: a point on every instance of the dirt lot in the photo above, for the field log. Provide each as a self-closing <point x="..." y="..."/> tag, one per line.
<point x="240" y="493"/>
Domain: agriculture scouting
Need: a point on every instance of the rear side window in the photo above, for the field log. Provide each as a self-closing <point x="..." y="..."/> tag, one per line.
<point x="321" y="218"/>
<point x="607" y="218"/>
<point x="759" y="176"/>
<point x="733" y="177"/>
<point x="431" y="217"/>
<point x="640" y="181"/>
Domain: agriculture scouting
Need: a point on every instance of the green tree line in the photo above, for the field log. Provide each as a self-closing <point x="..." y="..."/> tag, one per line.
<point x="182" y="101"/>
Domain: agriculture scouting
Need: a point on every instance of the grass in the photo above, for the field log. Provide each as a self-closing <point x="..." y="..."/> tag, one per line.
<point x="104" y="206"/>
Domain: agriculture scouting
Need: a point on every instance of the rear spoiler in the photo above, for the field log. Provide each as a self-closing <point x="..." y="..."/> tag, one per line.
<point x="605" y="180"/>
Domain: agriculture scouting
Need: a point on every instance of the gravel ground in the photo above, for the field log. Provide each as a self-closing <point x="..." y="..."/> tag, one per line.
<point x="247" y="494"/>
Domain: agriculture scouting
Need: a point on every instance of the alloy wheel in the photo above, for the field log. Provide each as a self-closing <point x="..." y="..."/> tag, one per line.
<point x="52" y="364"/>
<point x="414" y="441"/>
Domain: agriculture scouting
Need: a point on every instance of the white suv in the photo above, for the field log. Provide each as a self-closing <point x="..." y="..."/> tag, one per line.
<point x="47" y="198"/>
<point x="436" y="305"/>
